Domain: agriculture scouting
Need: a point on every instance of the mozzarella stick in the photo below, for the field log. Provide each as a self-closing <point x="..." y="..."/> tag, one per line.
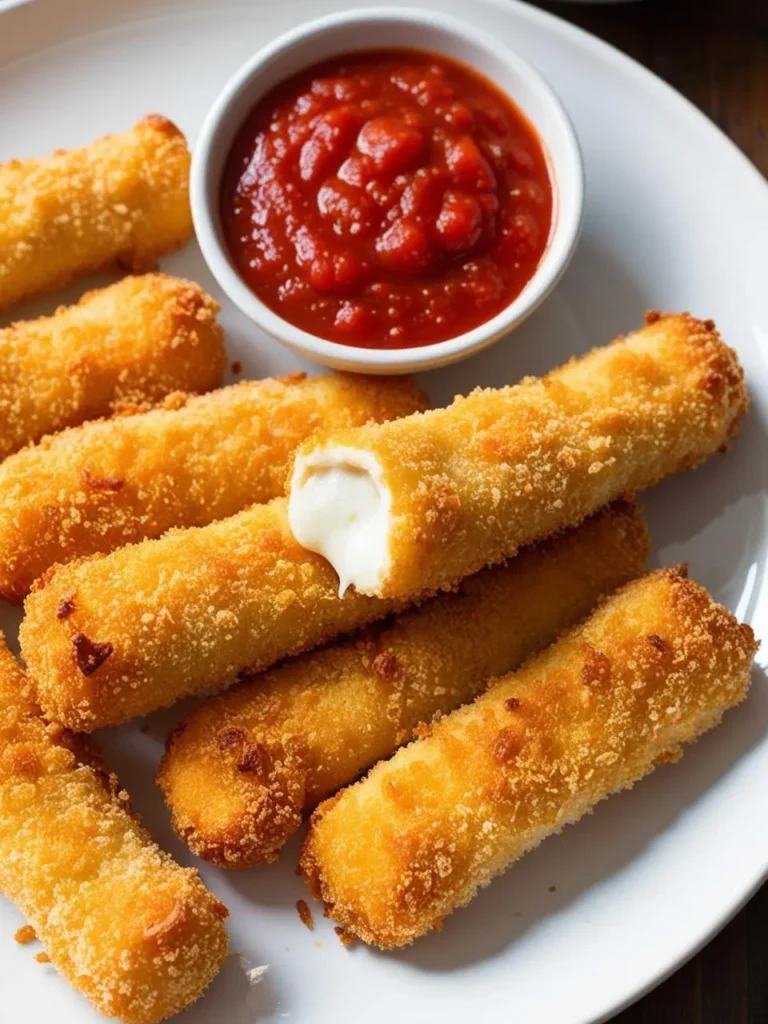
<point x="654" y="667"/>
<point x="243" y="768"/>
<point x="137" y="935"/>
<point x="114" y="636"/>
<point x="105" y="484"/>
<point x="134" y="342"/>
<point x="122" y="200"/>
<point x="414" y="506"/>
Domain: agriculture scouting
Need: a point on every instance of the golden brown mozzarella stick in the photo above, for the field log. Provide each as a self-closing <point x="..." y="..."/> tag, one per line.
<point x="654" y="667"/>
<point x="154" y="623"/>
<point x="416" y="505"/>
<point x="137" y="935"/>
<point x="122" y="200"/>
<point x="115" y="636"/>
<point x="133" y="342"/>
<point x="102" y="485"/>
<point x="244" y="767"/>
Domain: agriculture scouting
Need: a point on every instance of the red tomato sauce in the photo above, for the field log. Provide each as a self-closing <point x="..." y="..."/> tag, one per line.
<point x="386" y="199"/>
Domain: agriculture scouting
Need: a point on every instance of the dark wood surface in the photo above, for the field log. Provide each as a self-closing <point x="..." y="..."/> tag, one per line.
<point x="716" y="53"/>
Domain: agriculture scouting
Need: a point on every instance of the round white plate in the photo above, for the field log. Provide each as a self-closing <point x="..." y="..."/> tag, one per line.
<point x="676" y="219"/>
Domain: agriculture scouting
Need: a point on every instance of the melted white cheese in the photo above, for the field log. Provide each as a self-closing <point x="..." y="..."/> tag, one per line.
<point x="339" y="507"/>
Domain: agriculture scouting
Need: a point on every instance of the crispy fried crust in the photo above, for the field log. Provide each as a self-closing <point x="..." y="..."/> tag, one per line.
<point x="114" y="636"/>
<point x="243" y="768"/>
<point x="654" y="667"/>
<point x="105" y="484"/>
<point x="122" y="200"/>
<point x="502" y="468"/>
<point x="136" y="934"/>
<point x="133" y="342"/>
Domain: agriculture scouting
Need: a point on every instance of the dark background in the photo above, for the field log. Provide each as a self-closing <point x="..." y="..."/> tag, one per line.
<point x="715" y="52"/>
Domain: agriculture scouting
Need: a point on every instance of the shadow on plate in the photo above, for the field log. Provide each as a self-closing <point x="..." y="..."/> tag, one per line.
<point x="599" y="846"/>
<point x="10" y="620"/>
<point x="133" y="751"/>
<point x="259" y="354"/>
<point x="47" y="303"/>
<point x="235" y="997"/>
<point x="715" y="517"/>
<point x="273" y="885"/>
<point x="134" y="754"/>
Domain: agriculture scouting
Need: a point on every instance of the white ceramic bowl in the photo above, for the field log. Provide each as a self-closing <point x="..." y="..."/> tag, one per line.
<point x="381" y="28"/>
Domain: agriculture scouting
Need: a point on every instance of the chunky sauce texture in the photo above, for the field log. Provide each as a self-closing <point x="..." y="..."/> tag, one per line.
<point x="386" y="199"/>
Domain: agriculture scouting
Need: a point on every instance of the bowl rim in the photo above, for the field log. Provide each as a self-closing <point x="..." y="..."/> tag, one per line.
<point x="564" y="231"/>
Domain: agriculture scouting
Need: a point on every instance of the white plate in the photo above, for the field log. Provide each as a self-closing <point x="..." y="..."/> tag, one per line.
<point x="676" y="219"/>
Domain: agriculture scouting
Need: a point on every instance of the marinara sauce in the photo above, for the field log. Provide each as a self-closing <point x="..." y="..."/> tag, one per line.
<point x="386" y="199"/>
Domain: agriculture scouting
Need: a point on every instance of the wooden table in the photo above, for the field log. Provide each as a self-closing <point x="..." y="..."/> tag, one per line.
<point x="715" y="52"/>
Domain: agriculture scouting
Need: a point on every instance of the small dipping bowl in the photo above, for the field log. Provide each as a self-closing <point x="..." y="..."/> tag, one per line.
<point x="388" y="28"/>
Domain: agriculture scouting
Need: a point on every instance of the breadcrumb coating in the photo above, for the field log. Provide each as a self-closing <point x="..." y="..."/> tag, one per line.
<point x="131" y="343"/>
<point x="654" y="667"/>
<point x="244" y="767"/>
<point x="113" y="636"/>
<point x="123" y="200"/>
<point x="136" y="934"/>
<point x="105" y="484"/>
<point x="501" y="468"/>
<point x="25" y="935"/>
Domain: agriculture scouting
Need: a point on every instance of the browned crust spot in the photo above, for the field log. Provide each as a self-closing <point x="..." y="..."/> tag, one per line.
<point x="230" y="738"/>
<point x="596" y="670"/>
<point x="385" y="665"/>
<point x="102" y="483"/>
<point x="256" y="760"/>
<point x="506" y="745"/>
<point x="89" y="654"/>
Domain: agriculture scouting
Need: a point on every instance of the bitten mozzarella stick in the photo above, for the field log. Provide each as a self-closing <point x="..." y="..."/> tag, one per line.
<point x="245" y="766"/>
<point x="137" y="935"/>
<point x="654" y="667"/>
<point x="122" y="200"/>
<point x="414" y="506"/>
<point x="102" y="485"/>
<point x="134" y="342"/>
<point x="119" y="635"/>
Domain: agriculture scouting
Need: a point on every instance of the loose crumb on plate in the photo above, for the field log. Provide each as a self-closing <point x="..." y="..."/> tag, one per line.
<point x="305" y="914"/>
<point x="42" y="958"/>
<point x="25" y="934"/>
